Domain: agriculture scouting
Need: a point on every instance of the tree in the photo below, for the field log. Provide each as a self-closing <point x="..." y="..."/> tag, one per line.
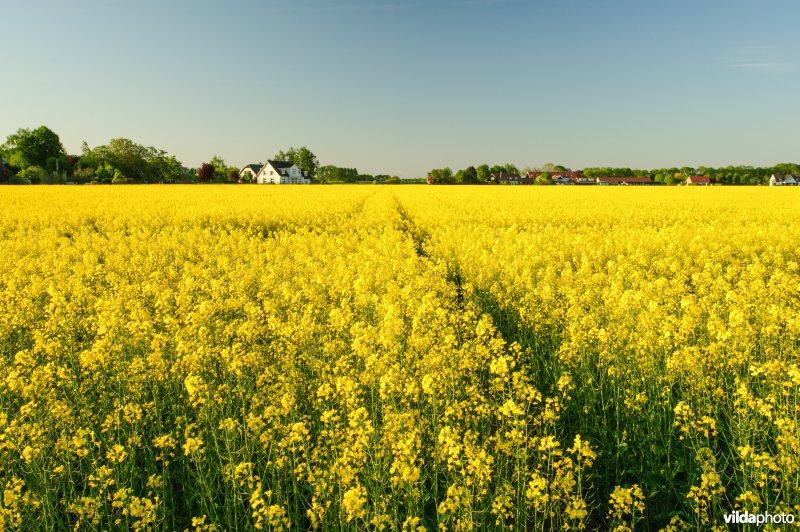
<point x="440" y="176"/>
<point x="83" y="175"/>
<point x="134" y="161"/>
<point x="165" y="168"/>
<point x="785" y="168"/>
<point x="206" y="173"/>
<point x="220" y="169"/>
<point x="302" y="157"/>
<point x="33" y="148"/>
<point x="470" y="175"/>
<point x="34" y="174"/>
<point x="130" y="158"/>
<point x="5" y="171"/>
<point x="334" y="174"/>
<point x="544" y="179"/>
<point x="483" y="173"/>
<point x="105" y="173"/>
<point x="327" y="173"/>
<point x="222" y="172"/>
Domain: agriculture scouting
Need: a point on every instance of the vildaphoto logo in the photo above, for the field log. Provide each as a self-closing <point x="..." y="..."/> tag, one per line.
<point x="746" y="518"/>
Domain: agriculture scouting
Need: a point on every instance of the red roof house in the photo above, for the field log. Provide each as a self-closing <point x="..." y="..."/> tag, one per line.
<point x="697" y="180"/>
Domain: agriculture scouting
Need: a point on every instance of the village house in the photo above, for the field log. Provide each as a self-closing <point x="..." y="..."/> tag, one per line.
<point x="533" y="174"/>
<point x="566" y="178"/>
<point x="559" y="178"/>
<point x="777" y="180"/>
<point x="507" y="178"/>
<point x="634" y="181"/>
<point x="529" y="178"/>
<point x="702" y="180"/>
<point x="249" y="172"/>
<point x="275" y="173"/>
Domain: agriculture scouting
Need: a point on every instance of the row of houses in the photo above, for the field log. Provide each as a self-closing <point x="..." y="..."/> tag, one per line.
<point x="777" y="180"/>
<point x="577" y="178"/>
<point x="275" y="173"/>
<point x="565" y="178"/>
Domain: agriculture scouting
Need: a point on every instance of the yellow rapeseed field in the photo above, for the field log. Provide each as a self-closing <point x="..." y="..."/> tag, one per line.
<point x="408" y="357"/>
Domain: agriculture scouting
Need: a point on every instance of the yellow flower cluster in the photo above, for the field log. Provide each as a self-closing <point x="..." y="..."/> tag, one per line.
<point x="342" y="357"/>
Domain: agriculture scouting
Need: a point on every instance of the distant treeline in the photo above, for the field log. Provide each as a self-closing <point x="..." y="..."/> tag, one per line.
<point x="334" y="174"/>
<point x="37" y="156"/>
<point x="728" y="175"/>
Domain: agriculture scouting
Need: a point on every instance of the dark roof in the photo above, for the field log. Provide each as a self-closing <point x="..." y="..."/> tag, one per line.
<point x="505" y="175"/>
<point x="699" y="178"/>
<point x="626" y="179"/>
<point x="555" y="173"/>
<point x="280" y="164"/>
<point x="256" y="168"/>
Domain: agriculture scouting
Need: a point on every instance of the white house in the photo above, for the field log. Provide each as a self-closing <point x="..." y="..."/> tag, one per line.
<point x="788" y="180"/>
<point x="276" y="173"/>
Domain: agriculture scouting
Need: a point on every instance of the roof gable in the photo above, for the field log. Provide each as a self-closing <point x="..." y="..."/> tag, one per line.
<point x="255" y="168"/>
<point x="626" y="179"/>
<point x="280" y="164"/>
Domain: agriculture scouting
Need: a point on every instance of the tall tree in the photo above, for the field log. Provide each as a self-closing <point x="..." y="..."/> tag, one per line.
<point x="221" y="171"/>
<point x="125" y="155"/>
<point x="206" y="172"/>
<point x="440" y="176"/>
<point x="167" y="169"/>
<point x="470" y="175"/>
<point x="33" y="148"/>
<point x="483" y="173"/>
<point x="302" y="157"/>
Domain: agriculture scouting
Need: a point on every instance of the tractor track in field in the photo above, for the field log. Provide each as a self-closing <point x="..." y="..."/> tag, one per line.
<point x="507" y="321"/>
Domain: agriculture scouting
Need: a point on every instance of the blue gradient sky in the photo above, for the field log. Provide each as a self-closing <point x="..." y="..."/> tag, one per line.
<point x="401" y="87"/>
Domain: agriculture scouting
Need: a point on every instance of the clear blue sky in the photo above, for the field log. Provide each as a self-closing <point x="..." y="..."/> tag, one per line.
<point x="400" y="87"/>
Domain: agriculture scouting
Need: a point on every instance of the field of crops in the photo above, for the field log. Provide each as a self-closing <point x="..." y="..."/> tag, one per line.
<point x="409" y="357"/>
